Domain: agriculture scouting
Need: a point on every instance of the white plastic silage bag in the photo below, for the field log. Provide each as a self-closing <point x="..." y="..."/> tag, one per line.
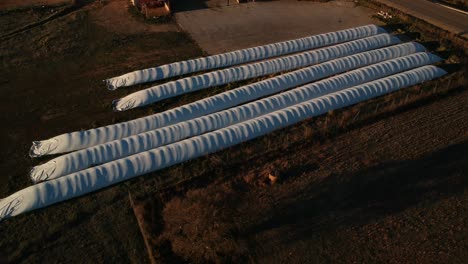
<point x="88" y="138"/>
<point x="83" y="159"/>
<point x="241" y="56"/>
<point x="194" y="83"/>
<point x="77" y="184"/>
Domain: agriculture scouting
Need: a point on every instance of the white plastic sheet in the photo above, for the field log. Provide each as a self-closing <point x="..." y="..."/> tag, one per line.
<point x="220" y="77"/>
<point x="85" y="139"/>
<point x="241" y="56"/>
<point x="95" y="178"/>
<point x="113" y="150"/>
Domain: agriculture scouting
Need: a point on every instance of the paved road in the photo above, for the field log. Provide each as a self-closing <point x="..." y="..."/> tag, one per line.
<point x="433" y="13"/>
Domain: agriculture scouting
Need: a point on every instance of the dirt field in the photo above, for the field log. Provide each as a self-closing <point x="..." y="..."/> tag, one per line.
<point x="443" y="17"/>
<point x="114" y="17"/>
<point x="335" y="198"/>
<point x="377" y="193"/>
<point x="50" y="83"/>
<point x="259" y="23"/>
<point x="10" y="4"/>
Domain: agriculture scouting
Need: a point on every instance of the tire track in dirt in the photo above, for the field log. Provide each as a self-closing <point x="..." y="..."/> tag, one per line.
<point x="60" y="13"/>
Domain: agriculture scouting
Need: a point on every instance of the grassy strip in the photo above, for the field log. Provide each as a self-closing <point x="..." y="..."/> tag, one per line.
<point x="428" y="31"/>
<point x="59" y="13"/>
<point x="135" y="13"/>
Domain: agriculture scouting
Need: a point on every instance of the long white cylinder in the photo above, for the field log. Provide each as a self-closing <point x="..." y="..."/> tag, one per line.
<point x="95" y="178"/>
<point x="85" y="139"/>
<point x="113" y="150"/>
<point x="241" y="56"/>
<point x="224" y="76"/>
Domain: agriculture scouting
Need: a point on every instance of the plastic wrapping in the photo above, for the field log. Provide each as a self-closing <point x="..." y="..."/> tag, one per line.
<point x="241" y="56"/>
<point x="220" y="77"/>
<point x="113" y="150"/>
<point x="88" y="138"/>
<point x="95" y="178"/>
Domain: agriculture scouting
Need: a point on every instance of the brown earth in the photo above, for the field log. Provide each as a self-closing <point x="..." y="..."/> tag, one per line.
<point x="391" y="191"/>
<point x="260" y="23"/>
<point x="13" y="20"/>
<point x="50" y="84"/>
<point x="13" y="4"/>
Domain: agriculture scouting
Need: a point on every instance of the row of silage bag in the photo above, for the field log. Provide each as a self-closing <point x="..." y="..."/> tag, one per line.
<point x="225" y="76"/>
<point x="241" y="56"/>
<point x="95" y="178"/>
<point x="114" y="150"/>
<point x="85" y="139"/>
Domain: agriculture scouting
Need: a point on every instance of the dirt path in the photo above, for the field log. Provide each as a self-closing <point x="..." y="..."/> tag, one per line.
<point x="433" y="13"/>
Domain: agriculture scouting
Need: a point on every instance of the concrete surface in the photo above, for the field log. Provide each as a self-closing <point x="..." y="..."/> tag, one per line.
<point x="433" y="13"/>
<point x="228" y="28"/>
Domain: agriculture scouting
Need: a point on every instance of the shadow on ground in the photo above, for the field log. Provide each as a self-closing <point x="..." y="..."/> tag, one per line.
<point x="188" y="5"/>
<point x="236" y="222"/>
<point x="370" y="194"/>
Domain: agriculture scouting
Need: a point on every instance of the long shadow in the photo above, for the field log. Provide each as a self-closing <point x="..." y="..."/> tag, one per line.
<point x="188" y="5"/>
<point x="354" y="199"/>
